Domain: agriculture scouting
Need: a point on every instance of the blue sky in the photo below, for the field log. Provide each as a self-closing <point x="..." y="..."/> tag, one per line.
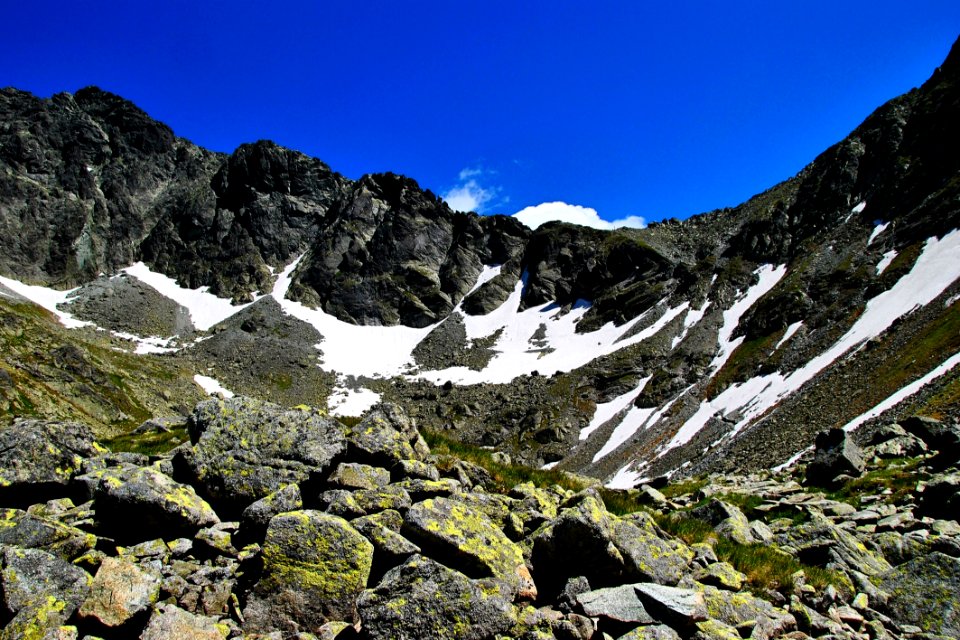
<point x="632" y="109"/>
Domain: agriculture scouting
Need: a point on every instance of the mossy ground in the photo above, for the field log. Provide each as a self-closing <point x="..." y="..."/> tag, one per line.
<point x="150" y="444"/>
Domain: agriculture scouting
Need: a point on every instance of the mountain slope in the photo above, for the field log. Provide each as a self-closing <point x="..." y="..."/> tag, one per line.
<point x="726" y="340"/>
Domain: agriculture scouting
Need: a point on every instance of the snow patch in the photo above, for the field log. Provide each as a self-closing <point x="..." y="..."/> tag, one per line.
<point x="935" y="269"/>
<point x="205" y="308"/>
<point x="606" y="410"/>
<point x="903" y="393"/>
<point x="789" y="333"/>
<point x="860" y="207"/>
<point x="877" y="230"/>
<point x="886" y="260"/>
<point x="767" y="278"/>
<point x="693" y="317"/>
<point x="351" y="402"/>
<point x="627" y="478"/>
<point x="48" y="299"/>
<point x="153" y="344"/>
<point x="211" y="386"/>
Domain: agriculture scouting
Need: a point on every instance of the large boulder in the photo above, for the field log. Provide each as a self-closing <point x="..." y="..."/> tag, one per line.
<point x="464" y="538"/>
<point x="245" y="449"/>
<point x="39" y="592"/>
<point x="170" y="621"/>
<point x="586" y="540"/>
<point x="120" y="591"/>
<point x="923" y="592"/>
<point x="736" y="608"/>
<point x="385" y="437"/>
<point x="38" y="458"/>
<point x="836" y="455"/>
<point x="727" y="520"/>
<point x="22" y="529"/>
<point x="424" y="599"/>
<point x="315" y="565"/>
<point x="941" y="436"/>
<point x="137" y="503"/>
<point x="256" y="518"/>
<point x="941" y="498"/>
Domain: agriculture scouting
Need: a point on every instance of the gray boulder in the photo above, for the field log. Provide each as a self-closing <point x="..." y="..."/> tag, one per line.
<point x="137" y="503"/>
<point x="385" y="437"/>
<point x="680" y="608"/>
<point x="39" y="592"/>
<point x="315" y="565"/>
<point x="255" y="518"/>
<point x="170" y="621"/>
<point x="941" y="498"/>
<point x="836" y="455"/>
<point x="120" y="591"/>
<point x="620" y="604"/>
<point x="22" y="529"/>
<point x="923" y="592"/>
<point x="245" y="449"/>
<point x="424" y="599"/>
<point x="38" y="458"/>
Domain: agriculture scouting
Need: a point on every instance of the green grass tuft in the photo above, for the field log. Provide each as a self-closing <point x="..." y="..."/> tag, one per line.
<point x="150" y="444"/>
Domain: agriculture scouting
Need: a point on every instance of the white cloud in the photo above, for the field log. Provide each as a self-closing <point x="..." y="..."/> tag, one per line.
<point x="546" y="212"/>
<point x="469" y="195"/>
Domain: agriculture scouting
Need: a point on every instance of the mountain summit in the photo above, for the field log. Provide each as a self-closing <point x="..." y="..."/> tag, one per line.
<point x="728" y="340"/>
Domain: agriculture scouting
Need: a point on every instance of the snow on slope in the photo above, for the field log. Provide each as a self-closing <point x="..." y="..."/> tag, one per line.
<point x="212" y="386"/>
<point x="936" y="268"/>
<point x="791" y="330"/>
<point x="879" y="227"/>
<point x="904" y="393"/>
<point x="46" y="298"/>
<point x="767" y="278"/>
<point x="606" y="410"/>
<point x="886" y="260"/>
<point x="345" y="401"/>
<point x="205" y="308"/>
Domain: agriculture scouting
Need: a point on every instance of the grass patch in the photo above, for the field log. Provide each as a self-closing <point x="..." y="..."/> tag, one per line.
<point x="938" y="405"/>
<point x="682" y="488"/>
<point x="150" y="444"/>
<point x="506" y="476"/>
<point x="899" y="476"/>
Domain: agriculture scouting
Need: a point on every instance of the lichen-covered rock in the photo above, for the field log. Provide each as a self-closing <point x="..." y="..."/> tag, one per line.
<point x="735" y="608"/>
<point x="680" y="608"/>
<point x="727" y="520"/>
<point x="169" y="621"/>
<point x="353" y="475"/>
<point x="245" y="449"/>
<point x="141" y="502"/>
<point x="39" y="590"/>
<point x="648" y="553"/>
<point x="651" y="632"/>
<point x="256" y="517"/>
<point x="384" y="437"/>
<point x="722" y="575"/>
<point x="410" y="469"/>
<point x="22" y="529"/>
<point x="836" y="454"/>
<point x="424" y="599"/>
<point x="464" y="538"/>
<point x="314" y="567"/>
<point x="923" y="592"/>
<point x="941" y="498"/>
<point x="621" y="604"/>
<point x="38" y="458"/>
<point x="820" y="542"/>
<point x="120" y="591"/>
<point x="382" y="529"/>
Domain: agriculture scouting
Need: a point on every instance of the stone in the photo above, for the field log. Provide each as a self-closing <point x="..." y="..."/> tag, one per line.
<point x="734" y="608"/>
<point x="727" y="520"/>
<point x="716" y="630"/>
<point x="390" y="547"/>
<point x="649" y="554"/>
<point x="169" y="621"/>
<point x="415" y="469"/>
<point x="256" y="517"/>
<point x="621" y="604"/>
<point x="424" y="599"/>
<point x="941" y="498"/>
<point x="384" y="437"/>
<point x="21" y="529"/>
<point x="38" y="458"/>
<point x="246" y="449"/>
<point x="680" y="608"/>
<point x="836" y="455"/>
<point x="651" y="632"/>
<point x="120" y="591"/>
<point x="315" y="565"/>
<point x="141" y="502"/>
<point x="352" y="475"/>
<point x="464" y="538"/>
<point x="722" y="575"/>
<point x="39" y="591"/>
<point x="923" y="592"/>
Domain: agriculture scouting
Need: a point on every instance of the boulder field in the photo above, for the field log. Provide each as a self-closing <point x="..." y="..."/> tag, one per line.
<point x="284" y="523"/>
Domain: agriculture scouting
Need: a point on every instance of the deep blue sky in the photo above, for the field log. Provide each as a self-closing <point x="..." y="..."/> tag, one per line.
<point x="632" y="108"/>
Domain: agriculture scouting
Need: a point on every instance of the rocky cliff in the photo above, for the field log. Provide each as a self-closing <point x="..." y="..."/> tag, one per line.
<point x="726" y="341"/>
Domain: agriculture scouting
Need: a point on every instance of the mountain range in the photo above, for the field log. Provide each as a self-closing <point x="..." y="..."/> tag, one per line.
<point x="726" y="341"/>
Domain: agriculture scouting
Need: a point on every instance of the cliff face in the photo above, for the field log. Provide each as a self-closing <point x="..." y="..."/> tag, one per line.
<point x="728" y="339"/>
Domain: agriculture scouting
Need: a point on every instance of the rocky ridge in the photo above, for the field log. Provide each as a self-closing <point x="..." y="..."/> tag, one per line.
<point x="89" y="184"/>
<point x="283" y="523"/>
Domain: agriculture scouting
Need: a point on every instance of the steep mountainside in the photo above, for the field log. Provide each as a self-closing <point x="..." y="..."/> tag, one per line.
<point x="724" y="341"/>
